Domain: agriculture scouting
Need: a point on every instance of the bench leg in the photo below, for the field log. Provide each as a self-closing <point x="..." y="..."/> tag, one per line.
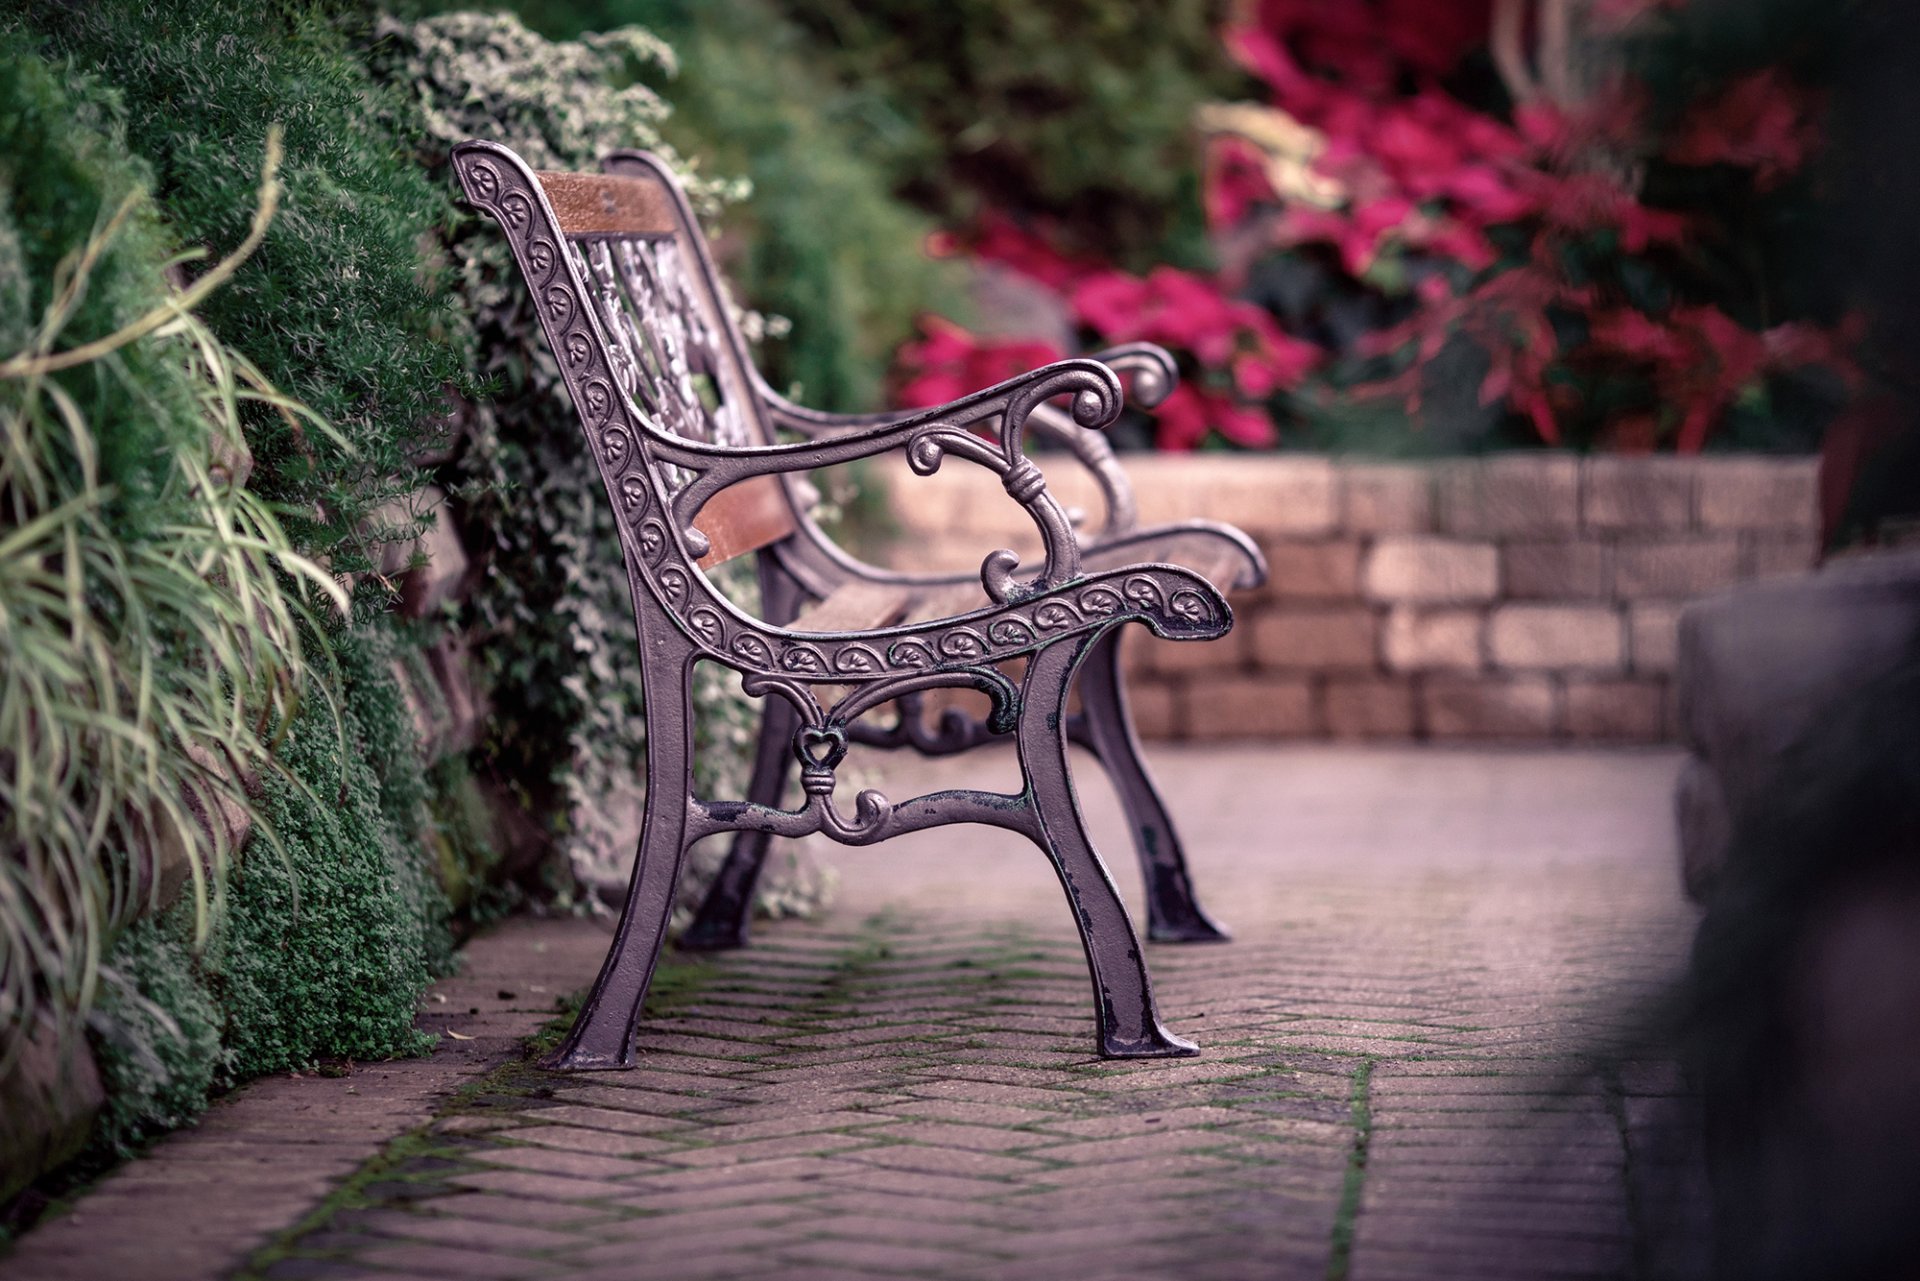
<point x="602" y="1036"/>
<point x="1173" y="913"/>
<point x="1128" y="1025"/>
<point x="722" y="920"/>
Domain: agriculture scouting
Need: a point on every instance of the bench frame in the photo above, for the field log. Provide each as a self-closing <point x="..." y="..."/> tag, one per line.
<point x="684" y="431"/>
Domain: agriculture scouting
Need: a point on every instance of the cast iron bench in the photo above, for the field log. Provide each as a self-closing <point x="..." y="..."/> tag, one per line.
<point x="688" y="440"/>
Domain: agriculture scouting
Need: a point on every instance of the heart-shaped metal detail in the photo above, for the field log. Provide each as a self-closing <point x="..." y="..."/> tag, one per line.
<point x="820" y="746"/>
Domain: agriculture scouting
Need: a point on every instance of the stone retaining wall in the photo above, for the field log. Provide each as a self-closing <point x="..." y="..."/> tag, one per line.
<point x="1519" y="596"/>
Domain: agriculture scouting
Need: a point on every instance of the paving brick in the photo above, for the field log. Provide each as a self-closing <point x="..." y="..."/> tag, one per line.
<point x="1617" y="710"/>
<point x="423" y="1260"/>
<point x="1245" y="706"/>
<point x="1386" y="498"/>
<point x="1760" y="493"/>
<point x="1431" y="571"/>
<point x="1487" y="707"/>
<point x="1369" y="708"/>
<point x="1563" y="569"/>
<point x="1316" y="569"/>
<point x="1637" y="494"/>
<point x="1574" y="637"/>
<point x="1509" y="494"/>
<point x="1675" y="568"/>
<point x="1467" y="920"/>
<point x="573" y="1164"/>
<point x="1416" y="639"/>
<point x="1314" y="637"/>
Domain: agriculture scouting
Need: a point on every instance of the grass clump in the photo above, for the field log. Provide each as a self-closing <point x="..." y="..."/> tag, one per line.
<point x="155" y="633"/>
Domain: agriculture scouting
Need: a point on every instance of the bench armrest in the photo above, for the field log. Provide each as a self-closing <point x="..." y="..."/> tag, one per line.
<point x="1154" y="376"/>
<point x="928" y="437"/>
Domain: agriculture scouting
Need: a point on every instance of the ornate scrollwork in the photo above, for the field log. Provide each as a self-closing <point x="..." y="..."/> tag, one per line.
<point x="629" y="313"/>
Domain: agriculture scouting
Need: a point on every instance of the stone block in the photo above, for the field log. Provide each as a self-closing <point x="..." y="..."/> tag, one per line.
<point x="1320" y="638"/>
<point x="1577" y="637"/>
<point x="1431" y="571"/>
<point x="1512" y="707"/>
<point x="1247" y="706"/>
<point x="1653" y="636"/>
<point x="1312" y="570"/>
<point x="1637" y="494"/>
<point x="451" y="665"/>
<point x="1416" y="639"/>
<point x="1760" y="493"/>
<point x="1369" y="707"/>
<point x="1675" y="568"/>
<point x="1705" y="827"/>
<point x="1629" y="711"/>
<point x="430" y="568"/>
<point x="49" y="1096"/>
<point x="1386" y="498"/>
<point x="1778" y="555"/>
<point x="1509" y="495"/>
<point x="1563" y="569"/>
<point x="1266" y="495"/>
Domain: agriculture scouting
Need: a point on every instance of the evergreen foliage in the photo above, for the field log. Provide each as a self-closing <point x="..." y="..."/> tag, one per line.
<point x="1077" y="113"/>
<point x="324" y="954"/>
<point x="156" y="1034"/>
<point x="337" y="307"/>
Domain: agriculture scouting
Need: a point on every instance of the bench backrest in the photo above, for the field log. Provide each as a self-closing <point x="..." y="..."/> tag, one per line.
<point x="673" y="348"/>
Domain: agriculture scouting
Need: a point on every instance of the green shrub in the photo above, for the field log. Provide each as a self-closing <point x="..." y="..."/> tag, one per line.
<point x="156" y="1034"/>
<point x="824" y="242"/>
<point x="337" y="307"/>
<point x="326" y="953"/>
<point x="1078" y="112"/>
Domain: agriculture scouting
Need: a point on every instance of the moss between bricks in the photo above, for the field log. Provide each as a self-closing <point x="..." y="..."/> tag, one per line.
<point x="424" y="1156"/>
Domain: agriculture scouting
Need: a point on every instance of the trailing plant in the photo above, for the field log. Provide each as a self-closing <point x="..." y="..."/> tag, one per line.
<point x="156" y="629"/>
<point x="551" y="615"/>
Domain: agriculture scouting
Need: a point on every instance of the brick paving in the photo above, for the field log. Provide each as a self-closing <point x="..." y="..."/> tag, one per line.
<point x="1411" y="1068"/>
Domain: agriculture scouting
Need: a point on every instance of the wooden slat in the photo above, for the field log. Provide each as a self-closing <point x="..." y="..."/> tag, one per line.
<point x="855" y="606"/>
<point x="744" y="518"/>
<point x="602" y="204"/>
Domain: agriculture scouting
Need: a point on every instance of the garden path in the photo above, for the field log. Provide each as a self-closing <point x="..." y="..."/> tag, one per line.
<point x="1413" y="1068"/>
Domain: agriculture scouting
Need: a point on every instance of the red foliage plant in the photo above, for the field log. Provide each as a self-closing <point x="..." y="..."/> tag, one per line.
<point x="1515" y="234"/>
<point x="1513" y="226"/>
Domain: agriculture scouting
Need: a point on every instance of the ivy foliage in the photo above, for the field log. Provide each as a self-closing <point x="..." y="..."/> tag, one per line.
<point x="551" y="614"/>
